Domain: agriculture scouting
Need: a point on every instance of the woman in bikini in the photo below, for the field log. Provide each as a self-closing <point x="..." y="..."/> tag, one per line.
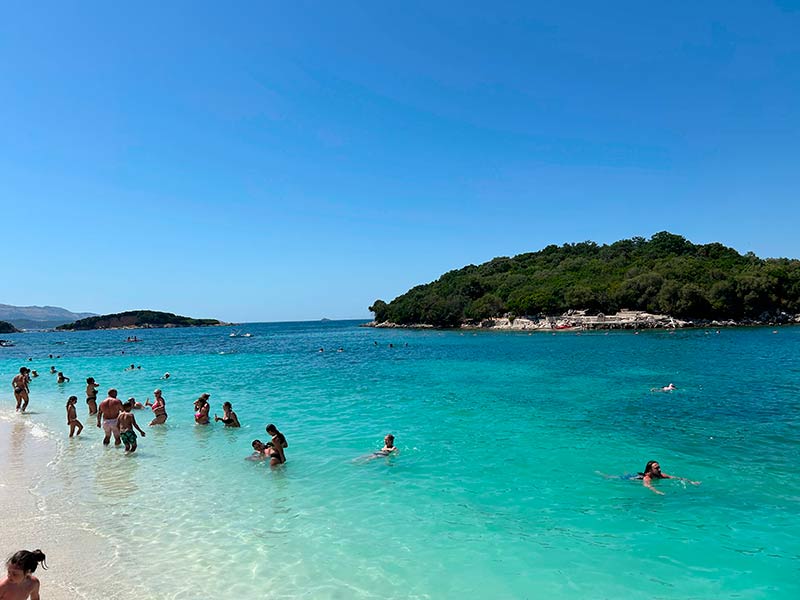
<point x="201" y="415"/>
<point x="228" y="416"/>
<point x="159" y="408"/>
<point x="91" y="395"/>
<point x="276" y="454"/>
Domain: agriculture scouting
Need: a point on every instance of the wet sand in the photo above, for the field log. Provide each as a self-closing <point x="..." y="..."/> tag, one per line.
<point x="31" y="517"/>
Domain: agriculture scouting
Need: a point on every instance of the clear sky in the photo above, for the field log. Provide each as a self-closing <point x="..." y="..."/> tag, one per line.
<point x="267" y="161"/>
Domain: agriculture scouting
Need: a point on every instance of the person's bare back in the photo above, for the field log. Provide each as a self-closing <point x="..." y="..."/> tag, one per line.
<point x="109" y="410"/>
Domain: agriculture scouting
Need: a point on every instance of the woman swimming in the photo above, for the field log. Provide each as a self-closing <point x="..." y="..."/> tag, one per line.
<point x="388" y="447"/>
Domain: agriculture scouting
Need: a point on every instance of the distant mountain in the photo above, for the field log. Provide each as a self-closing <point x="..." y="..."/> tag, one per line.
<point x="39" y="317"/>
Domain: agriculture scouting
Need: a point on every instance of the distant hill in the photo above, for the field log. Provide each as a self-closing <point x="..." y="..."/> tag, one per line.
<point x="136" y="318"/>
<point x="7" y="328"/>
<point x="39" y="317"/>
<point x="666" y="274"/>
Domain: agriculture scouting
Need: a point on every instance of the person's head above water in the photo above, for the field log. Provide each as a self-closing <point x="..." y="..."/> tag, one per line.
<point x="652" y="469"/>
<point x="23" y="563"/>
<point x="258" y="445"/>
<point x="389" y="440"/>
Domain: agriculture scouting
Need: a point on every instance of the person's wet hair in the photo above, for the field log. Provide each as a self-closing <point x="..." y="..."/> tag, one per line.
<point x="227" y="405"/>
<point x="27" y="560"/>
<point x="648" y="468"/>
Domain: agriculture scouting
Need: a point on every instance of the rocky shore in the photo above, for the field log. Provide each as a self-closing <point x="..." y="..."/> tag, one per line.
<point x="578" y="320"/>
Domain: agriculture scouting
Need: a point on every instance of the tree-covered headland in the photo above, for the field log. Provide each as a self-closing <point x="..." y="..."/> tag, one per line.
<point x="666" y="274"/>
<point x="137" y="318"/>
<point x="6" y="327"/>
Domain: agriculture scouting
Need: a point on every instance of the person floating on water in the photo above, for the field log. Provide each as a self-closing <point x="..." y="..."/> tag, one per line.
<point x="389" y="449"/>
<point x="652" y="470"/>
<point x="19" y="583"/>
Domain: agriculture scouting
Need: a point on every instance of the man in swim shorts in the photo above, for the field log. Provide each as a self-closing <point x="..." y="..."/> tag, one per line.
<point x="109" y="409"/>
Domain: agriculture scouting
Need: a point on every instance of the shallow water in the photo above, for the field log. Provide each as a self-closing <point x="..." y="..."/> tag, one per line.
<point x="495" y="490"/>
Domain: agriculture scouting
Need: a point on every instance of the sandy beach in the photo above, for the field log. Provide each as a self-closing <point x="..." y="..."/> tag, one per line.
<point x="29" y="485"/>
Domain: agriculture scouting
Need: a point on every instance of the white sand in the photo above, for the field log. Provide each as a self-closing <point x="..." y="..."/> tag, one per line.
<point x="31" y="517"/>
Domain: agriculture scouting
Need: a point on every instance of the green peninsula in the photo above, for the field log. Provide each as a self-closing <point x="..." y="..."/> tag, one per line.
<point x="666" y="274"/>
<point x="6" y="327"/>
<point x="136" y="318"/>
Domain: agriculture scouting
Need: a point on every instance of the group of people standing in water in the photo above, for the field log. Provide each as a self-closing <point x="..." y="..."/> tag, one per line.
<point x="118" y="420"/>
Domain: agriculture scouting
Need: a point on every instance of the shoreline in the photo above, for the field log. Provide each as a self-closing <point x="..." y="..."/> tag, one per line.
<point x="579" y="321"/>
<point x="31" y="517"/>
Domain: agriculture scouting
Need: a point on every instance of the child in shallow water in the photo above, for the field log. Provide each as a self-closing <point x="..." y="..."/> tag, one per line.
<point x="19" y="583"/>
<point x="72" y="416"/>
<point x="126" y="422"/>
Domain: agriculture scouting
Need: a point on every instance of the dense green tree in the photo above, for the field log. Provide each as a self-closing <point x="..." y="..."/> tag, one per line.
<point x="666" y="274"/>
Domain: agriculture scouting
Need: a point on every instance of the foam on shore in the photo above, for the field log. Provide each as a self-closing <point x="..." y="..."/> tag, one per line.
<point x="37" y="514"/>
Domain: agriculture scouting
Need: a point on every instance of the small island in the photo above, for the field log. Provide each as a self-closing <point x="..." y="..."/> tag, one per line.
<point x="133" y="319"/>
<point x="6" y="327"/>
<point x="664" y="282"/>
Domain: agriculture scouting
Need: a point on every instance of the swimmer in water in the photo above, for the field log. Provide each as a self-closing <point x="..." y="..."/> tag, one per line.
<point x="652" y="470"/>
<point x="666" y="388"/>
<point x="388" y="449"/>
<point x="388" y="446"/>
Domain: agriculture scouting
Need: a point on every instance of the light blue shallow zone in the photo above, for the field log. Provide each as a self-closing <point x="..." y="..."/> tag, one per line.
<point x="495" y="490"/>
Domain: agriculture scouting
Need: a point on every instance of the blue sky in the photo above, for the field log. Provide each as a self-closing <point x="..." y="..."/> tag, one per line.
<point x="268" y="161"/>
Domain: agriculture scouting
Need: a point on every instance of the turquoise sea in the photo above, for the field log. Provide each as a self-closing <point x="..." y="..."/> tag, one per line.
<point x="495" y="492"/>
